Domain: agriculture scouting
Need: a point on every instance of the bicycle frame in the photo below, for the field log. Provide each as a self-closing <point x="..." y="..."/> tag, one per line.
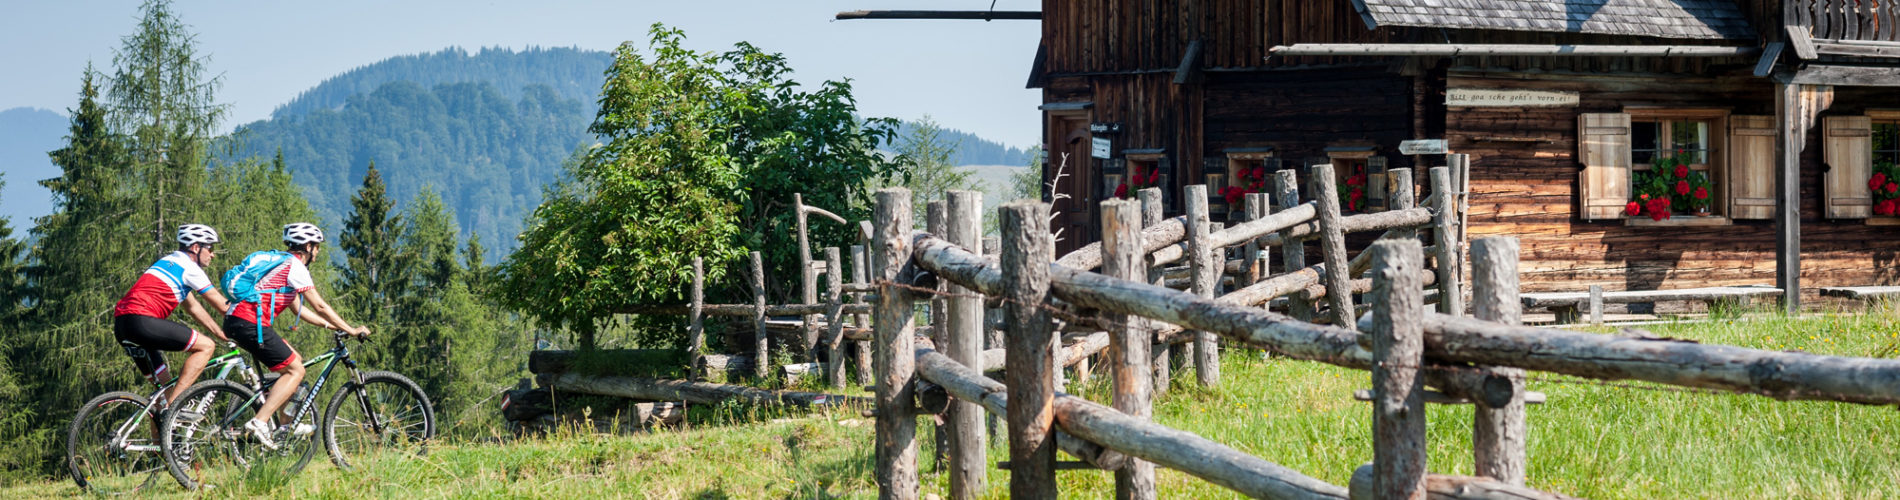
<point x="224" y="365"/>
<point x="340" y="353"/>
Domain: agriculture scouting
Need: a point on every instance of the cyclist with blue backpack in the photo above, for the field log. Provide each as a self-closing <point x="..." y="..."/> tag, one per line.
<point x="262" y="285"/>
<point x="139" y="319"/>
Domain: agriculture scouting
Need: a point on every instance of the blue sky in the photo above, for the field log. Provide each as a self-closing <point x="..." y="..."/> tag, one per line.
<point x="968" y="75"/>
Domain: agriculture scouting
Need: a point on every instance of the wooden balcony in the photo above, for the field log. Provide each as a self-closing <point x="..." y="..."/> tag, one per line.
<point x="1863" y="28"/>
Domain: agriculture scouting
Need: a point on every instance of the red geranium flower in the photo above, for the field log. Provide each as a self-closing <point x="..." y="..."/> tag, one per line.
<point x="1260" y="172"/>
<point x="1682" y="187"/>
<point x="1121" y="191"/>
<point x="1632" y="209"/>
<point x="1154" y="176"/>
<point x="1233" y="195"/>
<point x="1682" y="171"/>
<point x="1885" y="207"/>
<point x="1643" y="197"/>
<point x="1891" y="187"/>
<point x="1878" y="180"/>
<point x="1701" y="193"/>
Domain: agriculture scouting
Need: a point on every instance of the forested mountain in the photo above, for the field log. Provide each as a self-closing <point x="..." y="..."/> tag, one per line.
<point x="485" y="130"/>
<point x="487" y="155"/>
<point x="571" y="73"/>
<point x="973" y="150"/>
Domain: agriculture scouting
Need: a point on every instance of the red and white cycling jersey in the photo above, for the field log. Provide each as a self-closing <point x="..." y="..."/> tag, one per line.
<point x="163" y="286"/>
<point x="291" y="273"/>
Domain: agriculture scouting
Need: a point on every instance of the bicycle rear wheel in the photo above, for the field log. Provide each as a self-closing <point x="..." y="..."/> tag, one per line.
<point x="387" y="412"/>
<point x="110" y="449"/>
<point x="206" y="446"/>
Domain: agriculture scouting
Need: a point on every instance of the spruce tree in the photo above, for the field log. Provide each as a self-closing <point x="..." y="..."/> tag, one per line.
<point x="22" y="439"/>
<point x="378" y="271"/>
<point x="162" y="100"/>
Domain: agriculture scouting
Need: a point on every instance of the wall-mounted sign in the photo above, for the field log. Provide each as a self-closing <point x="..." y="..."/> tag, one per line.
<point x="1423" y="147"/>
<point x="1105" y="128"/>
<point x="1510" y="98"/>
<point x="1098" y="147"/>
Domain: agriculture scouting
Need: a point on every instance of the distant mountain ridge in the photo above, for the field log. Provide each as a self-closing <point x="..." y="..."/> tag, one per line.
<point x="570" y="73"/>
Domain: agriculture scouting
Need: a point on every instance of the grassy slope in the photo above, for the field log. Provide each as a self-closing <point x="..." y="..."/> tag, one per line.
<point x="1591" y="440"/>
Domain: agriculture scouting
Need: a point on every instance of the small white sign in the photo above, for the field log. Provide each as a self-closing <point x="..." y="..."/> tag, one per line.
<point x="1098" y="147"/>
<point x="1510" y="98"/>
<point x="1423" y="147"/>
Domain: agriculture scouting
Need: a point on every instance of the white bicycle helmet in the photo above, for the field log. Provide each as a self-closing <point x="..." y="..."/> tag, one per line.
<point x="192" y="234"/>
<point x="298" y="233"/>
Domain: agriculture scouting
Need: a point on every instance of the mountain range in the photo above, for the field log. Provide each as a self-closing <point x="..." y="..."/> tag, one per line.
<point x="486" y="130"/>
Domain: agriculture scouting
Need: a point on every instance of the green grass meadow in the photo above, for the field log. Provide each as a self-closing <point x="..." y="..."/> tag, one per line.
<point x="1626" y="440"/>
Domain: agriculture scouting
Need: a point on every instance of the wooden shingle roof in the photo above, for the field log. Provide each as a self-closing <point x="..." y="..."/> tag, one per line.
<point x="1699" y="19"/>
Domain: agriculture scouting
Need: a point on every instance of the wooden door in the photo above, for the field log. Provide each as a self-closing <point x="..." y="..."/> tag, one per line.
<point x="1068" y="132"/>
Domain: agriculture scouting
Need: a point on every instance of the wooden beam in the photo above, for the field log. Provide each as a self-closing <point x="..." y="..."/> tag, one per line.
<point x="1766" y="65"/>
<point x="979" y="15"/>
<point x="1788" y="145"/>
<point x="1858" y="76"/>
<point x="693" y="392"/>
<point x="1129" y="366"/>
<point x="896" y="438"/>
<point x="1398" y="350"/>
<point x="1457" y="50"/>
<point x="1024" y="280"/>
<point x="963" y="342"/>
<point x="1802" y="42"/>
<point x="1190" y="69"/>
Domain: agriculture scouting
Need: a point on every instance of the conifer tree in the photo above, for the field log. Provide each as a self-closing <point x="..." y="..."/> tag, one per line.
<point x="377" y="272"/>
<point x="21" y="438"/>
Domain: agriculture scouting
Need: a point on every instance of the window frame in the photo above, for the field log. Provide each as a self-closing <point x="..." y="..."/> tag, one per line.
<point x="1714" y="159"/>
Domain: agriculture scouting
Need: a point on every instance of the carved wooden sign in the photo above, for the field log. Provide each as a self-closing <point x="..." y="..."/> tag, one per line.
<point x="1510" y="98"/>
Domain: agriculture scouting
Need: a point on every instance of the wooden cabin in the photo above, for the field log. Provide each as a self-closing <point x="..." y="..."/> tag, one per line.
<point x="1569" y="110"/>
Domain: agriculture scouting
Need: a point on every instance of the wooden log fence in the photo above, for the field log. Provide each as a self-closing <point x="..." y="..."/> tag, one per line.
<point x="1124" y="310"/>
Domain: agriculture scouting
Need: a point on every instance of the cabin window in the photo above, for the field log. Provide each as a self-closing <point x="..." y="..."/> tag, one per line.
<point x="1243" y="171"/>
<point x="1671" y="167"/>
<point x="1359" y="175"/>
<point x="1863" y="175"/>
<point x="1143" y="168"/>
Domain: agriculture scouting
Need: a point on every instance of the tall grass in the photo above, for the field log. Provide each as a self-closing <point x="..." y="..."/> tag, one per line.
<point x="1624" y="440"/>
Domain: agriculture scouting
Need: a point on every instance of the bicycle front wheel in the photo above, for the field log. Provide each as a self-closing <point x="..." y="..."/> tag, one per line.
<point x="110" y="448"/>
<point x="386" y="413"/>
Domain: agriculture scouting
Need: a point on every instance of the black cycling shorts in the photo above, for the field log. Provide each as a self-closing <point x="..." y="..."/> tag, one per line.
<point x="272" y="352"/>
<point x="145" y="339"/>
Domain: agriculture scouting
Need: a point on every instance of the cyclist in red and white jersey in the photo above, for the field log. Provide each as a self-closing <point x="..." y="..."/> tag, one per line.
<point x="139" y="320"/>
<point x="249" y="323"/>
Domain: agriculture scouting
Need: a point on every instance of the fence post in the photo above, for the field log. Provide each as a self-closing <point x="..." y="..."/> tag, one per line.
<point x="761" y="358"/>
<point x="1207" y="263"/>
<point x="1151" y="215"/>
<point x="1596" y="305"/>
<point x="896" y="357"/>
<point x="834" y="318"/>
<point x="1121" y="258"/>
<point x="1402" y="195"/>
<point x="1255" y="205"/>
<point x="935" y="220"/>
<point x="696" y="326"/>
<point x="1286" y="191"/>
<point x="1333" y="248"/>
<point x="963" y="342"/>
<point x="1451" y="299"/>
<point x="1031" y="379"/>
<point x="1498" y="434"/>
<point x="859" y="256"/>
<point x="993" y="336"/>
<point x="1398" y="348"/>
<point x="807" y="280"/>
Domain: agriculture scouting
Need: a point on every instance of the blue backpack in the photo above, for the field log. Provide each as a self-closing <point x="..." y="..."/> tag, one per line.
<point x="244" y="282"/>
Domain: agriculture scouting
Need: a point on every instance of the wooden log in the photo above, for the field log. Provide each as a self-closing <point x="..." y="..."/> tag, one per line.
<point x="1131" y="369"/>
<point x="1206" y="259"/>
<point x="1444" y="487"/>
<point x="1445" y="237"/>
<point x="695" y="323"/>
<point x="1186" y="452"/>
<point x="1153" y="237"/>
<point x="966" y="385"/>
<point x="1243" y="233"/>
<point x="1402" y="194"/>
<point x="694" y="392"/>
<point x="1332" y="245"/>
<point x="860" y="269"/>
<point x="1596" y="305"/>
<point x="1025" y="278"/>
<point x="807" y="280"/>
<point x="1380" y="221"/>
<point x="936" y="215"/>
<point x="896" y="474"/>
<point x="1398" y="406"/>
<point x="834" y="318"/>
<point x="963" y="342"/>
<point x="1499" y="431"/>
<point x="1151" y="207"/>
<point x="1286" y="190"/>
<point x="760" y="348"/>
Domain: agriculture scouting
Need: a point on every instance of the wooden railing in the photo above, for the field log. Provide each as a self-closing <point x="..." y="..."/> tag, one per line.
<point x="1840" y="20"/>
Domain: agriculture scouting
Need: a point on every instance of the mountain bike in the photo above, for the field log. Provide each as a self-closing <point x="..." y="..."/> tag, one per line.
<point x="375" y="411"/>
<point x="109" y="449"/>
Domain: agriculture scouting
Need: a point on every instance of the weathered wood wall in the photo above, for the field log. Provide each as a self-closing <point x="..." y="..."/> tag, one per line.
<point x="1529" y="190"/>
